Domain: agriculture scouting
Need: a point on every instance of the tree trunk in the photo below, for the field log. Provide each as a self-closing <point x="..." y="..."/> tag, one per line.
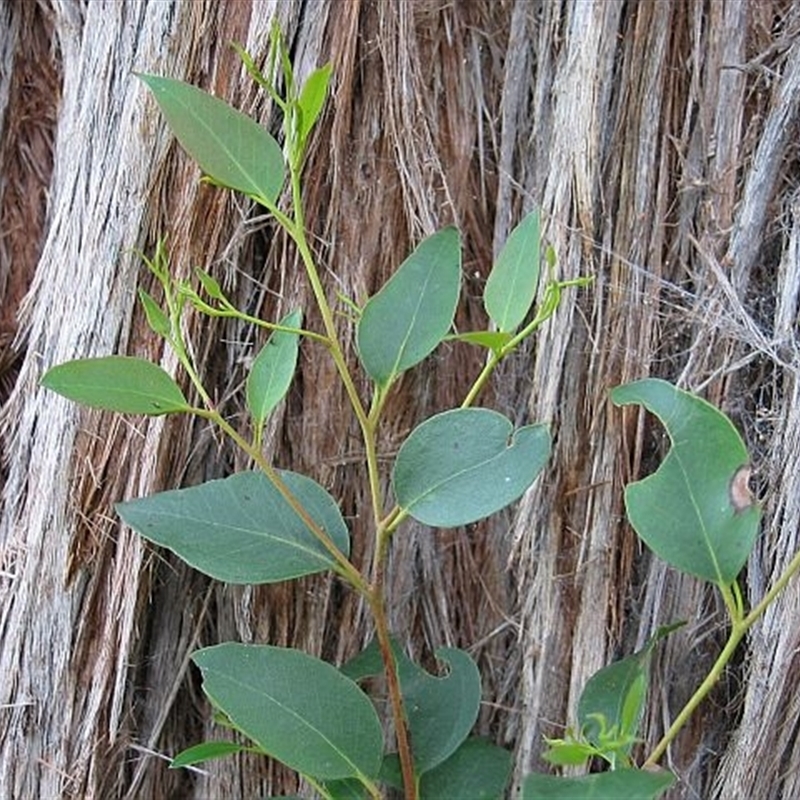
<point x="659" y="140"/>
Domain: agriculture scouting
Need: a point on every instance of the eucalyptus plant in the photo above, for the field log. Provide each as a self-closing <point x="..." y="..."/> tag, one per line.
<point x="269" y="525"/>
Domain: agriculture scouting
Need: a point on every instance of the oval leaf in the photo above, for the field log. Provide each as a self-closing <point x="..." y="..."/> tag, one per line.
<point x="511" y="286"/>
<point x="117" y="383"/>
<point x="621" y="784"/>
<point x="230" y="147"/>
<point x="273" y="369"/>
<point x="412" y="313"/>
<point x="693" y="511"/>
<point x="240" y="529"/>
<point x="462" y="465"/>
<point x="298" y="709"/>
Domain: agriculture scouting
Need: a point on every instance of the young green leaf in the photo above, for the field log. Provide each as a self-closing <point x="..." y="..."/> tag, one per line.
<point x="311" y="100"/>
<point x="511" y="286"/>
<point x="492" y="340"/>
<point x="298" y="709"/>
<point x="230" y="147"/>
<point x="240" y="529"/>
<point x="462" y="465"/>
<point x="156" y="318"/>
<point x="616" y="693"/>
<point x="117" y="383"/>
<point x="273" y="369"/>
<point x="412" y="313"/>
<point x="206" y="751"/>
<point x="210" y="284"/>
<point x="695" y="511"/>
<point x="621" y="784"/>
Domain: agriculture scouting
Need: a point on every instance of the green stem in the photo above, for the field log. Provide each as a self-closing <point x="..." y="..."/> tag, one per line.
<point x="740" y="627"/>
<point x="779" y="586"/>
<point x="344" y="567"/>
<point x="377" y="605"/>
<point x="737" y="633"/>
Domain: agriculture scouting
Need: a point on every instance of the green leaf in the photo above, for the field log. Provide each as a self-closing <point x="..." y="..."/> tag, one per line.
<point x="298" y="709"/>
<point x="442" y="710"/>
<point x="568" y="752"/>
<point x="616" y="692"/>
<point x="492" y="340"/>
<point x="206" y="751"/>
<point x="694" y="511"/>
<point x="412" y="313"/>
<point x="230" y="147"/>
<point x="240" y="529"/>
<point x="368" y="662"/>
<point x="156" y="318"/>
<point x="117" y="383"/>
<point x="311" y="100"/>
<point x="273" y="370"/>
<point x="465" y="464"/>
<point x="347" y="789"/>
<point x="478" y="770"/>
<point x="210" y="284"/>
<point x="511" y="286"/>
<point x="621" y="784"/>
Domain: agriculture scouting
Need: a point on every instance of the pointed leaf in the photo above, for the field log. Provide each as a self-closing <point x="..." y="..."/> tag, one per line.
<point x="617" y="693"/>
<point x="621" y="784"/>
<point x="240" y="529"/>
<point x="210" y="284"/>
<point x="230" y="147"/>
<point x="492" y="340"/>
<point x="478" y="770"/>
<point x="412" y="313"/>
<point x="465" y="464"/>
<point x="694" y="511"/>
<point x="298" y="709"/>
<point x="156" y="318"/>
<point x="511" y="286"/>
<point x="206" y="751"/>
<point x="117" y="383"/>
<point x="312" y="98"/>
<point x="273" y="370"/>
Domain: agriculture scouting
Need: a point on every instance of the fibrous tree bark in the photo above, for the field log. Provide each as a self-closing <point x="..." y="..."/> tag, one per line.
<point x="659" y="140"/>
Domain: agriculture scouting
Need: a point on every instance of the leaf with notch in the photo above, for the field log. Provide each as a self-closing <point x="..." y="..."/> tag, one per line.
<point x="691" y="511"/>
